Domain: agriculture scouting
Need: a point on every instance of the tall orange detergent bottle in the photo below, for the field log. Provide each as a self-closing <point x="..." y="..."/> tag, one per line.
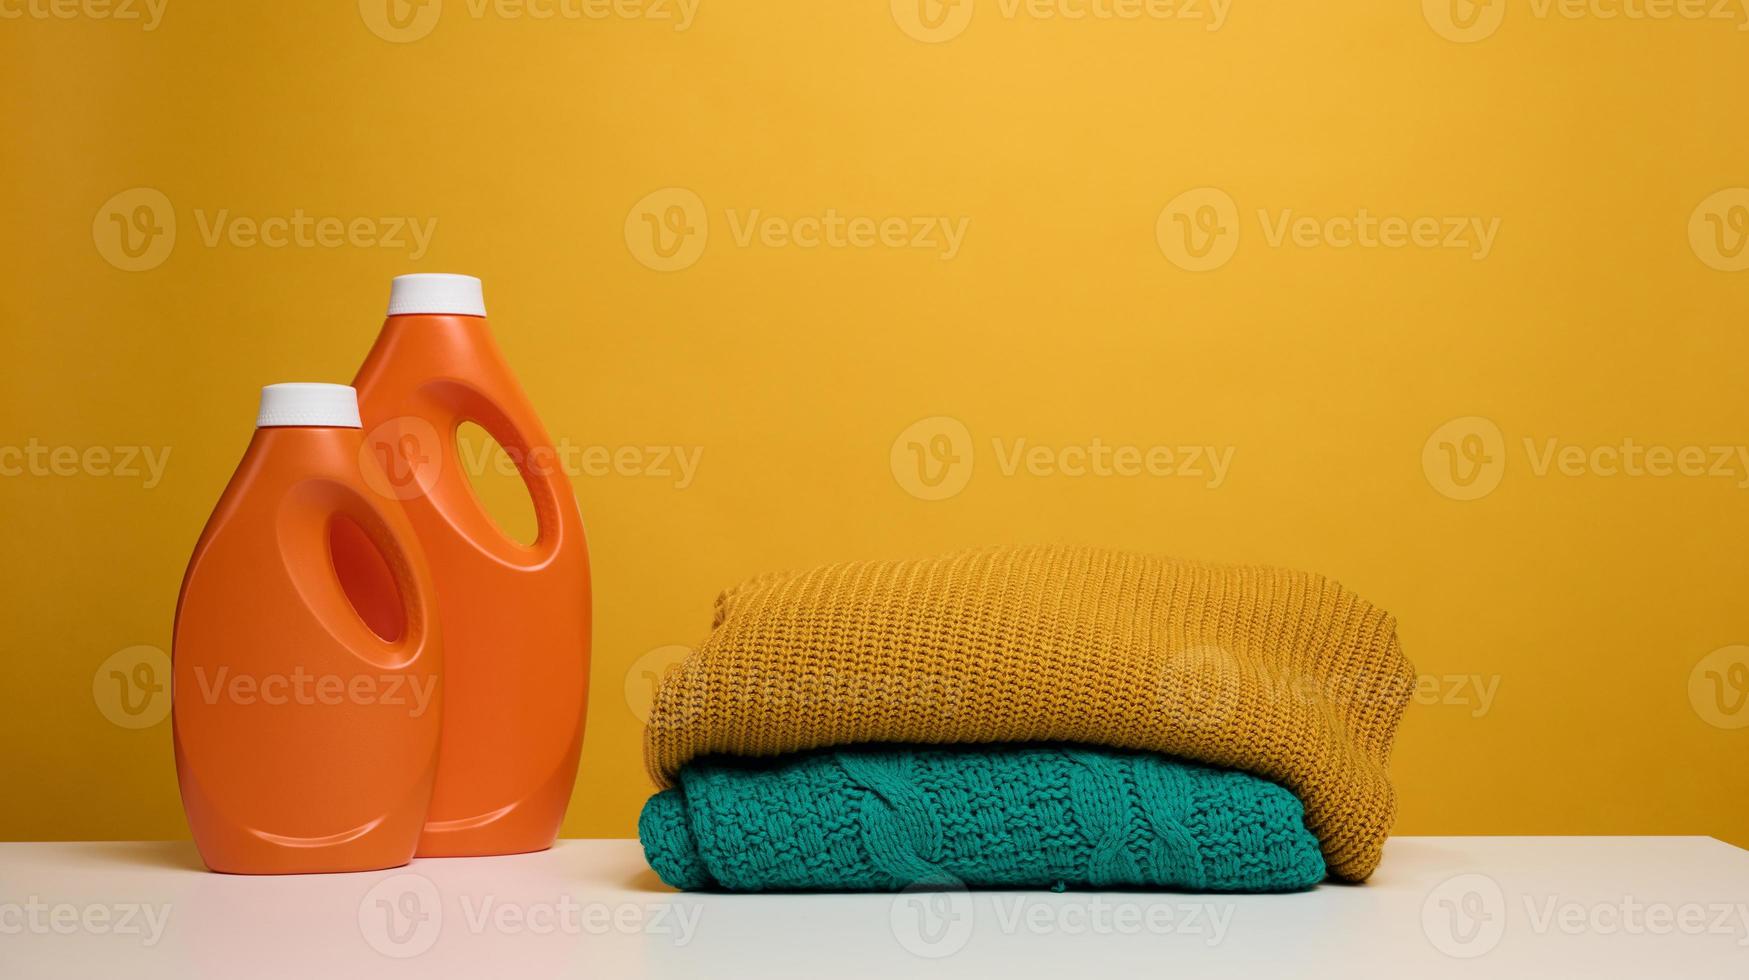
<point x="307" y="660"/>
<point x="515" y="617"/>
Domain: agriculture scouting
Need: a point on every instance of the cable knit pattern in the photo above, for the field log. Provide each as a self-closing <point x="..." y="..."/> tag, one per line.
<point x="999" y="816"/>
<point x="1282" y="674"/>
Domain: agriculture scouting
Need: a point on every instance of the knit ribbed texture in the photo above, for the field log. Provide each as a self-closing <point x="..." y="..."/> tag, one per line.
<point x="999" y="816"/>
<point x="1282" y="674"/>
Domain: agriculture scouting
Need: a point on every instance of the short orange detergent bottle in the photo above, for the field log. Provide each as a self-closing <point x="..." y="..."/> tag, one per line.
<point x="515" y="617"/>
<point x="307" y="679"/>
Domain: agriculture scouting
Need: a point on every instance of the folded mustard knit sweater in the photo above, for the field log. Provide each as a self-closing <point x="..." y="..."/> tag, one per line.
<point x="1282" y="674"/>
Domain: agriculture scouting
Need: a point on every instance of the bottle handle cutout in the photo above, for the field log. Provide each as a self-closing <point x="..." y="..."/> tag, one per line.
<point x="536" y="463"/>
<point x="373" y="568"/>
<point x="355" y="572"/>
<point x="416" y="459"/>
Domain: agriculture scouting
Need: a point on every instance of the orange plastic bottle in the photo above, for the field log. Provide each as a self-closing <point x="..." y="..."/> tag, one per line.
<point x="307" y="680"/>
<point x="515" y="617"/>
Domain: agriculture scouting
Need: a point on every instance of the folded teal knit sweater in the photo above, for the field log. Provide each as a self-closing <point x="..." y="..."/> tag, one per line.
<point x="885" y="818"/>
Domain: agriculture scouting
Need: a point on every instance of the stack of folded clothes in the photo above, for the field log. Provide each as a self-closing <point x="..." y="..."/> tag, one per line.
<point x="1028" y="717"/>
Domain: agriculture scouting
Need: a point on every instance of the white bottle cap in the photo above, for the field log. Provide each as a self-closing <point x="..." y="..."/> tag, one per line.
<point x="436" y="292"/>
<point x="328" y="406"/>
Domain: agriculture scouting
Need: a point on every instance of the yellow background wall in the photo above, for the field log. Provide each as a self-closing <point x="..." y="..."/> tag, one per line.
<point x="1566" y="619"/>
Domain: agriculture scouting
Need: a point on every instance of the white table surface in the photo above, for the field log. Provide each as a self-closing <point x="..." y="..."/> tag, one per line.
<point x="1439" y="906"/>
